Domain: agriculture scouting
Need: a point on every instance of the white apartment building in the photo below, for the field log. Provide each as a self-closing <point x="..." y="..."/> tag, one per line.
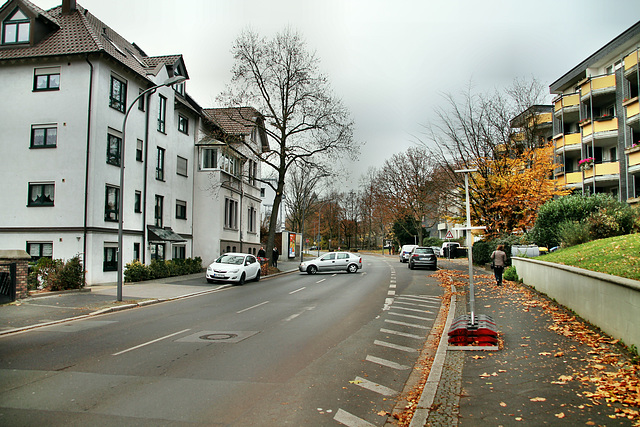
<point x="68" y="81"/>
<point x="226" y="187"/>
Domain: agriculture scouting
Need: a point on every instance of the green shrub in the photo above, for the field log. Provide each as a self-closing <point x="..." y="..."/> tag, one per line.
<point x="72" y="274"/>
<point x="573" y="233"/>
<point x="158" y="269"/>
<point x="432" y="241"/>
<point x="482" y="252"/>
<point x="136" y="272"/>
<point x="510" y="274"/>
<point x="553" y="216"/>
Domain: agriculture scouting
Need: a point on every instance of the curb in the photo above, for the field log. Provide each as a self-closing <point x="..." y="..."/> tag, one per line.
<point x="423" y="408"/>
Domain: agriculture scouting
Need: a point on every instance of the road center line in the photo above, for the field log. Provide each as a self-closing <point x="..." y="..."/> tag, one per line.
<point x="252" y="307"/>
<point x="320" y="281"/>
<point x="150" y="342"/>
<point x="297" y="290"/>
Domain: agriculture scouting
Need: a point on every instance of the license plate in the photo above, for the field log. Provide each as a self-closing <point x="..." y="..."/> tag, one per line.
<point x="218" y="275"/>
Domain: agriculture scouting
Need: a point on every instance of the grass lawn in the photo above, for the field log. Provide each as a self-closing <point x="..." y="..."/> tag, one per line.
<point x="619" y="256"/>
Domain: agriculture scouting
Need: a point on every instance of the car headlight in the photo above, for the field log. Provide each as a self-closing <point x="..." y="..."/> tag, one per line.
<point x="234" y="271"/>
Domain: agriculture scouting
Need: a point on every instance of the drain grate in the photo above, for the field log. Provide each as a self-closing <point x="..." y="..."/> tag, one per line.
<point x="218" y="336"/>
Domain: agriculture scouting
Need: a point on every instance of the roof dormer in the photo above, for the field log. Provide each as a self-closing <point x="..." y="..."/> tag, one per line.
<point x="16" y="28"/>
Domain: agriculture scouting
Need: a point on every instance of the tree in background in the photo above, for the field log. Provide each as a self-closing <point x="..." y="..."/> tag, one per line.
<point x="406" y="184"/>
<point x="304" y="122"/>
<point x="514" y="166"/>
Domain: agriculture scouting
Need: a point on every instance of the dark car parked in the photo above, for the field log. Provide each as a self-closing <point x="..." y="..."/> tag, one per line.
<point x="423" y="257"/>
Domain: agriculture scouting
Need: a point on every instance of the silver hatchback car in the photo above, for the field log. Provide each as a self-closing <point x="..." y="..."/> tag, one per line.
<point x="333" y="261"/>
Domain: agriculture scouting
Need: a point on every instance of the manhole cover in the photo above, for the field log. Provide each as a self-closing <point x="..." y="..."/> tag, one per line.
<point x="223" y="337"/>
<point x="218" y="337"/>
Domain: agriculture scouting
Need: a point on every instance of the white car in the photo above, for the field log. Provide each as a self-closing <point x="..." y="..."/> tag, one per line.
<point x="333" y="261"/>
<point x="405" y="252"/>
<point x="234" y="267"/>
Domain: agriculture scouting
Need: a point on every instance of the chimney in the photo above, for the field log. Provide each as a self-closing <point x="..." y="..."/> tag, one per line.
<point x="68" y="6"/>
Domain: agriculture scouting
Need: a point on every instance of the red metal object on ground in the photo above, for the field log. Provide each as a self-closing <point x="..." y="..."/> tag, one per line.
<point x="482" y="332"/>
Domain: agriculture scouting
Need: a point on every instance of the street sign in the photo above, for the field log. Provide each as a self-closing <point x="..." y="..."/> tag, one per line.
<point x="449" y="235"/>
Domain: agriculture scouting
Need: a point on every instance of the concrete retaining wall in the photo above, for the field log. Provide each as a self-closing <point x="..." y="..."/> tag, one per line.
<point x="609" y="302"/>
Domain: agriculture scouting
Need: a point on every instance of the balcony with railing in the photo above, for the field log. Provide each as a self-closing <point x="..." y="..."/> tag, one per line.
<point x="632" y="109"/>
<point x="600" y="127"/>
<point x="610" y="170"/>
<point x="631" y="63"/>
<point x="566" y="104"/>
<point x="569" y="141"/>
<point x="634" y="155"/>
<point x="598" y="85"/>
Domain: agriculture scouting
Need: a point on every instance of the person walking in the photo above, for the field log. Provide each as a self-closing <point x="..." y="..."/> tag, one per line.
<point x="499" y="260"/>
<point x="276" y="254"/>
<point x="262" y="253"/>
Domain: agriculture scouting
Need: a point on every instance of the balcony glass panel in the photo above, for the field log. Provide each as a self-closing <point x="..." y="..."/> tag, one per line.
<point x="631" y="60"/>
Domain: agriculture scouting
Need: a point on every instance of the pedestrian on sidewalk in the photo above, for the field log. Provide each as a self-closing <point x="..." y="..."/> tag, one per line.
<point x="499" y="260"/>
<point x="262" y="253"/>
<point x="276" y="254"/>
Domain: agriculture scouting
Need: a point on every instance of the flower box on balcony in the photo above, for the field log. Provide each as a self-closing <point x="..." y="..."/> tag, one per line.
<point x="584" y="122"/>
<point x="634" y="148"/>
<point x="586" y="164"/>
<point x="629" y="101"/>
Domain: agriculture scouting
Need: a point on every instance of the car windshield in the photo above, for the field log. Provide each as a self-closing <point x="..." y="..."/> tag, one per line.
<point x="230" y="259"/>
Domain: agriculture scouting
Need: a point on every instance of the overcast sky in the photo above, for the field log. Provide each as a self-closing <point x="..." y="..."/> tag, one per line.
<point x="389" y="61"/>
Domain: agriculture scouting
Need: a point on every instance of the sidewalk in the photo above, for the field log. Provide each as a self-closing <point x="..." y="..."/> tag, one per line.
<point x="551" y="368"/>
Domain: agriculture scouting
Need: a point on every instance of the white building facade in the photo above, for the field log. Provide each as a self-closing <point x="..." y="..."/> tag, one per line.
<point x="68" y="81"/>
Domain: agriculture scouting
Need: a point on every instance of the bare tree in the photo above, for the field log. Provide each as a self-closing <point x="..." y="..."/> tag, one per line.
<point x="304" y="121"/>
<point x="302" y="196"/>
<point x="407" y="185"/>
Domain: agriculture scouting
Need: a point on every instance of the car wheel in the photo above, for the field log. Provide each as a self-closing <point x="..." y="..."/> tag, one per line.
<point x="210" y="280"/>
<point x="242" y="280"/>
<point x="352" y="268"/>
<point x="257" y="279"/>
<point x="411" y="266"/>
<point x="312" y="269"/>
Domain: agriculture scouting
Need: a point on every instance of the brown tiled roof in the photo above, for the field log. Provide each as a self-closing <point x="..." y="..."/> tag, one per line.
<point x="233" y="121"/>
<point x="81" y="33"/>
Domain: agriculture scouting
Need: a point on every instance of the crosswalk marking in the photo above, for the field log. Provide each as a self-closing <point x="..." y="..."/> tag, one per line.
<point x="413" y="309"/>
<point x="387" y="363"/>
<point x="411" y="325"/>
<point x="402" y="334"/>
<point x="370" y="385"/>
<point x="395" y="346"/>
<point x="351" y="420"/>
<point x="410" y="316"/>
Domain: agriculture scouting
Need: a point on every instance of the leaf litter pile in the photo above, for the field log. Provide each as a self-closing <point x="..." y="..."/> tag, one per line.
<point x="607" y="376"/>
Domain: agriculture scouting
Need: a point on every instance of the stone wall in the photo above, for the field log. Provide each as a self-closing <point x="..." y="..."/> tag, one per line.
<point x="21" y="258"/>
<point x="609" y="302"/>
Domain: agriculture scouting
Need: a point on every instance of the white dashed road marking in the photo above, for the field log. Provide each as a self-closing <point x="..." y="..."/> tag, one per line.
<point x="370" y="385"/>
<point x="350" y="420"/>
<point x="402" y="334"/>
<point x="395" y="346"/>
<point x="387" y="363"/>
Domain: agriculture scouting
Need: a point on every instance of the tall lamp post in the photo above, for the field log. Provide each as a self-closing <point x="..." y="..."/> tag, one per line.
<point x="170" y="81"/>
<point x="468" y="228"/>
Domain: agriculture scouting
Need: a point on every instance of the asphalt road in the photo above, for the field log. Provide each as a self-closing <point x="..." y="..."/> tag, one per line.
<point x="294" y="350"/>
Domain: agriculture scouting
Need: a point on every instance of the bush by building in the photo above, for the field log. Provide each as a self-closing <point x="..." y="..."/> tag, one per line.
<point x="56" y="274"/>
<point x="136" y="271"/>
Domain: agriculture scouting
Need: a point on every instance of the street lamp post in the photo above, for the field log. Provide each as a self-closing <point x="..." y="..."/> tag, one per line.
<point x="170" y="81"/>
<point x="468" y="228"/>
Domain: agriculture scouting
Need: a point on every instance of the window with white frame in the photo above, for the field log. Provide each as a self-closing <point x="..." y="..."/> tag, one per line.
<point x="15" y="29"/>
<point x="44" y="136"/>
<point x="179" y="252"/>
<point x="209" y="158"/>
<point x="47" y="78"/>
<point x="229" y="163"/>
<point x="182" y="165"/>
<point x="230" y="213"/>
<point x="118" y="94"/>
<point x="41" y="194"/>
